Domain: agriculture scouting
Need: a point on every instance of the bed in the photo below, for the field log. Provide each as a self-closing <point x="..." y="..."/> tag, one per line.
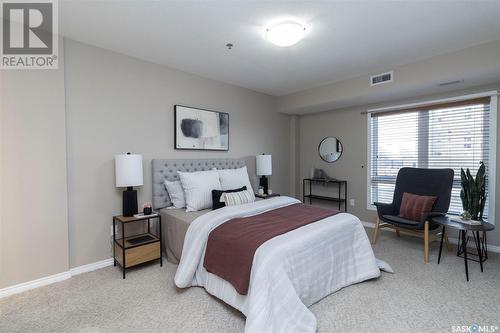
<point x="288" y="273"/>
<point x="176" y="221"/>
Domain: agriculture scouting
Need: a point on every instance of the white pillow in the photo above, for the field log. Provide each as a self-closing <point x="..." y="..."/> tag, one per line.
<point x="176" y="193"/>
<point x="198" y="188"/>
<point x="234" y="178"/>
<point x="237" y="198"/>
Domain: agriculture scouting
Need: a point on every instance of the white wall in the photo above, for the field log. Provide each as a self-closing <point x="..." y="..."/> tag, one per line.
<point x="116" y="103"/>
<point x="33" y="213"/>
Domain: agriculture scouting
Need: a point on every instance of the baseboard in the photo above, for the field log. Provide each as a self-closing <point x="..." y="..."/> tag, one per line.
<point x="91" y="267"/>
<point x="19" y="288"/>
<point x="368" y="224"/>
<point x="492" y="248"/>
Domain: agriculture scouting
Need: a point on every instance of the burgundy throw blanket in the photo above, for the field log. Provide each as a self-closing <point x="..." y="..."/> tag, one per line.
<point x="232" y="245"/>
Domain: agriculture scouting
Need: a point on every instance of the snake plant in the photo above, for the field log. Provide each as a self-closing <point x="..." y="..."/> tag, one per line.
<point x="473" y="193"/>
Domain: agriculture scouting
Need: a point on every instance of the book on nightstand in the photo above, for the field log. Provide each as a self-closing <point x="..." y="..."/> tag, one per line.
<point x="141" y="215"/>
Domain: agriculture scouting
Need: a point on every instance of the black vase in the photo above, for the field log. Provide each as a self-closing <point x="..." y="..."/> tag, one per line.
<point x="147" y="210"/>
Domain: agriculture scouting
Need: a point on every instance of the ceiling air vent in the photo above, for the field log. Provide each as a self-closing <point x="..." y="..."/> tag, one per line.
<point x="381" y="78"/>
<point x="449" y="83"/>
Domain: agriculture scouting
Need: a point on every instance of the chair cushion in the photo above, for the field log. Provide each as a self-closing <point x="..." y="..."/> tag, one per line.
<point x="399" y="220"/>
<point x="413" y="206"/>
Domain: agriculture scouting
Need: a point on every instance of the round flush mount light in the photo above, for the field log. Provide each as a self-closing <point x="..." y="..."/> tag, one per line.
<point x="285" y="34"/>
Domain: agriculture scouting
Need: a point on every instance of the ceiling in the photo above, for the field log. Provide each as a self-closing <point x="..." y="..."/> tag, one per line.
<point x="344" y="39"/>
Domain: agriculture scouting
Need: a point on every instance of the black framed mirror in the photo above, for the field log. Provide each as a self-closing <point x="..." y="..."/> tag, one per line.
<point x="330" y="149"/>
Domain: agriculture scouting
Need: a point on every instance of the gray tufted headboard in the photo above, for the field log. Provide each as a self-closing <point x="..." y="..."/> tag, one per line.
<point x="167" y="170"/>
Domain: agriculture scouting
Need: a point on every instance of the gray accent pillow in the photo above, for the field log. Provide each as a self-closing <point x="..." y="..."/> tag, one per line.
<point x="176" y="193"/>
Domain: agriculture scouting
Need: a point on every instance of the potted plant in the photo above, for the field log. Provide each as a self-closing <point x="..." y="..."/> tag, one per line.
<point x="473" y="193"/>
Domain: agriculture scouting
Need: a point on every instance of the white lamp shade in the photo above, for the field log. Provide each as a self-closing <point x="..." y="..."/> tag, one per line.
<point x="128" y="170"/>
<point x="264" y="165"/>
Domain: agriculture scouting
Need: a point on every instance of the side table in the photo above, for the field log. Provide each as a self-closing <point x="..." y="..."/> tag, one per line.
<point x="137" y="249"/>
<point x="478" y="232"/>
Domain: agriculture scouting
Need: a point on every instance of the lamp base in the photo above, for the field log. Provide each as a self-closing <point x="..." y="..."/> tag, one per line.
<point x="129" y="202"/>
<point x="264" y="183"/>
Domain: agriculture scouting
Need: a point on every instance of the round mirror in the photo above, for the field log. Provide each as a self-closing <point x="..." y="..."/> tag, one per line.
<point x="330" y="149"/>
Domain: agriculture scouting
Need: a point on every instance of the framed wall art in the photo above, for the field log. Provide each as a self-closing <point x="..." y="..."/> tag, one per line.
<point x="199" y="129"/>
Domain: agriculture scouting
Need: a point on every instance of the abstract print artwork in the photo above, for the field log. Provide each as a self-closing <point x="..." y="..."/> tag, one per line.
<point x="199" y="129"/>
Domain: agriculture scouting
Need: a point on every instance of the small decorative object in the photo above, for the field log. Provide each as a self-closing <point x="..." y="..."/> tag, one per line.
<point x="261" y="191"/>
<point x="264" y="168"/>
<point x="198" y="129"/>
<point x="318" y="174"/>
<point x="466" y="216"/>
<point x="321" y="174"/>
<point x="147" y="208"/>
<point x="269" y="191"/>
<point x="128" y="173"/>
<point x="473" y="193"/>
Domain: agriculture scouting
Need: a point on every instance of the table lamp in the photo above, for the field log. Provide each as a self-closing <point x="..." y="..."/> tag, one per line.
<point x="128" y="172"/>
<point x="264" y="168"/>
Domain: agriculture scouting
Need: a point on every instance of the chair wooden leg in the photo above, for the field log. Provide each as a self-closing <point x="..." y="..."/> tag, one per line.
<point x="375" y="231"/>
<point x="398" y="233"/>
<point x="426" y="242"/>
<point x="447" y="242"/>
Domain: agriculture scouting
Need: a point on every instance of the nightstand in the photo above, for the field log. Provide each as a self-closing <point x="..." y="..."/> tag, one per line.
<point x="136" y="249"/>
<point x="267" y="196"/>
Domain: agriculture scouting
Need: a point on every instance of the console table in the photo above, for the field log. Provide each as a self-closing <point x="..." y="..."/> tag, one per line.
<point x="339" y="199"/>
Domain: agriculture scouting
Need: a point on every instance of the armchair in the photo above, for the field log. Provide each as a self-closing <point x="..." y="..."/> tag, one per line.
<point x="429" y="182"/>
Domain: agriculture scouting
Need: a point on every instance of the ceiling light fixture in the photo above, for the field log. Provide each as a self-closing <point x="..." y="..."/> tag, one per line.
<point x="285" y="34"/>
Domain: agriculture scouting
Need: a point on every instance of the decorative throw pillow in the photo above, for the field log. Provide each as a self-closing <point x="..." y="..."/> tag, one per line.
<point x="198" y="188"/>
<point x="216" y="194"/>
<point x="414" y="207"/>
<point x="234" y="178"/>
<point x="176" y="193"/>
<point x="237" y="198"/>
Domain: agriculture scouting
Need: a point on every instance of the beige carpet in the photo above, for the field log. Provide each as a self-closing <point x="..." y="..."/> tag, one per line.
<point x="417" y="298"/>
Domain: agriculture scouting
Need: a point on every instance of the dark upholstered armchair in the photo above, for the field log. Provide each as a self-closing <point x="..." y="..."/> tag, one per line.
<point x="429" y="182"/>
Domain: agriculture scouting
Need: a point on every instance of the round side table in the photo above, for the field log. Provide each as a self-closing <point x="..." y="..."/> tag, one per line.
<point x="464" y="229"/>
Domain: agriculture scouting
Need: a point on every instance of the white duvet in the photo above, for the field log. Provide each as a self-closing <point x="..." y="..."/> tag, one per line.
<point x="289" y="272"/>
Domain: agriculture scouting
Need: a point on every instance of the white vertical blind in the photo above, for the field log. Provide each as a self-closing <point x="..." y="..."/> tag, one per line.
<point x="454" y="135"/>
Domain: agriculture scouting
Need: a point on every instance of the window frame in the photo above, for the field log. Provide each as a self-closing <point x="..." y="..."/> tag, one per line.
<point x="492" y="148"/>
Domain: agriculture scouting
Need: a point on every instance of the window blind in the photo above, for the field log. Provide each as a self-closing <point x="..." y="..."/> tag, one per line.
<point x="452" y="135"/>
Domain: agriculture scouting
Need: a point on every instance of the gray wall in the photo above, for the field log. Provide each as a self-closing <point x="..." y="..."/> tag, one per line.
<point x="33" y="192"/>
<point x="351" y="128"/>
<point x="477" y="65"/>
<point x="116" y="103"/>
<point x="61" y="128"/>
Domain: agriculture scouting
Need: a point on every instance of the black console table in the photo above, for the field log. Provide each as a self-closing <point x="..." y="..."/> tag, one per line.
<point x="338" y="199"/>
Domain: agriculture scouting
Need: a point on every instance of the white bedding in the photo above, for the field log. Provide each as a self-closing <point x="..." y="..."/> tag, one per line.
<point x="289" y="272"/>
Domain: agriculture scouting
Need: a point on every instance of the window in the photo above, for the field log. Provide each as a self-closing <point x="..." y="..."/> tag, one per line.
<point x="453" y="135"/>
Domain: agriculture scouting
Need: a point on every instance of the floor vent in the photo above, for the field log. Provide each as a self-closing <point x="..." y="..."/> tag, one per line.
<point x="381" y="78"/>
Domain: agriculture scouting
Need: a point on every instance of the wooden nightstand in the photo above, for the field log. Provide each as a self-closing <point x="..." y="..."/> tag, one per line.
<point x="137" y="249"/>
<point x="267" y="196"/>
